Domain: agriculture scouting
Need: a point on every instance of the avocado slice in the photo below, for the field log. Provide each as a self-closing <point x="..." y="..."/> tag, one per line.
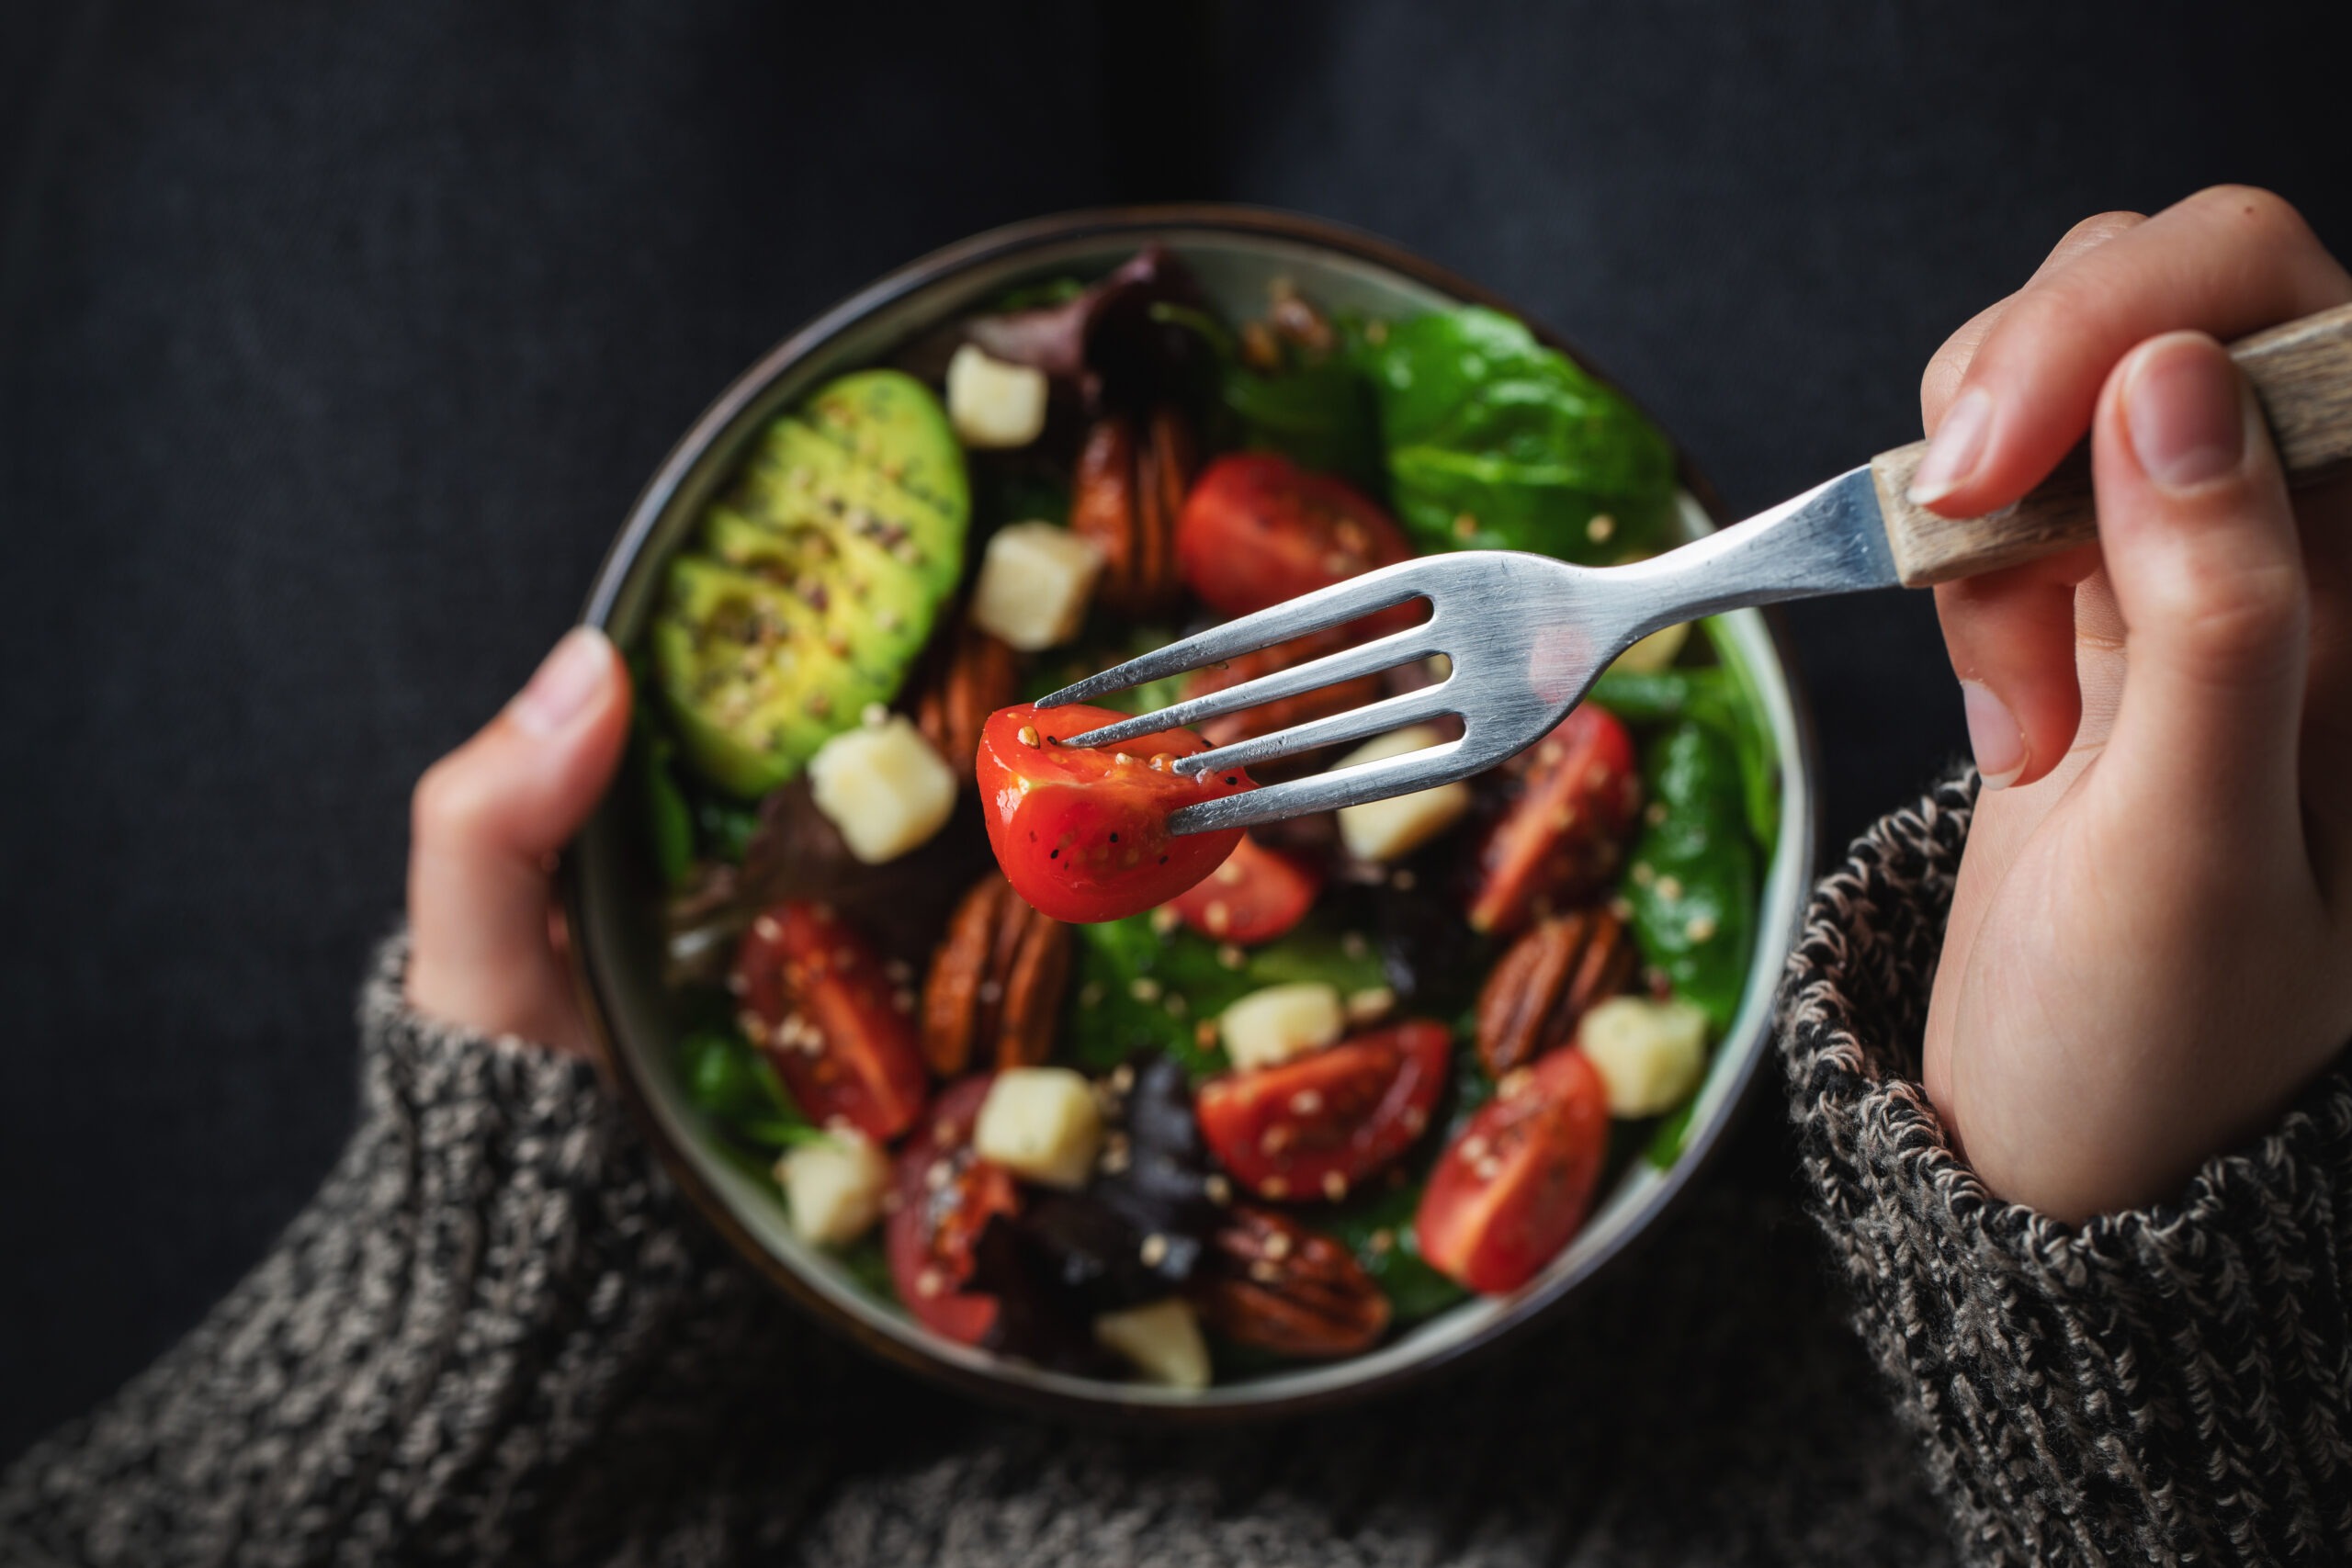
<point x="752" y="675"/>
<point x="799" y="477"/>
<point x="892" y="421"/>
<point x="817" y="581"/>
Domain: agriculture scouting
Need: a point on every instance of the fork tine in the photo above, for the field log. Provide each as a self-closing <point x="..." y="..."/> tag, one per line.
<point x="1356" y="724"/>
<point x="1328" y="791"/>
<point x="1382" y="653"/>
<point x="1340" y="602"/>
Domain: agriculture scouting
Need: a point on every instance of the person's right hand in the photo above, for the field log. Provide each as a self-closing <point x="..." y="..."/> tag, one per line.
<point x="2150" y="948"/>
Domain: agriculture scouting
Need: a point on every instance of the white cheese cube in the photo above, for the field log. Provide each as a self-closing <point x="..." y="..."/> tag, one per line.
<point x="1036" y="582"/>
<point x="1163" y="1340"/>
<point x="1656" y="651"/>
<point x="883" y="786"/>
<point x="1040" y="1123"/>
<point x="834" y="1187"/>
<point x="991" y="403"/>
<point x="1282" y="1022"/>
<point x="1390" y="829"/>
<point x="1649" y="1054"/>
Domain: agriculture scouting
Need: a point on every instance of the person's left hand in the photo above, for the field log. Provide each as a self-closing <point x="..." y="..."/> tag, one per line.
<point x="485" y="942"/>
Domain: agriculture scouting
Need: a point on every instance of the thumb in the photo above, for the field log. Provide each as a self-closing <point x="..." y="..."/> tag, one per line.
<point x="487" y="821"/>
<point x="2202" y="552"/>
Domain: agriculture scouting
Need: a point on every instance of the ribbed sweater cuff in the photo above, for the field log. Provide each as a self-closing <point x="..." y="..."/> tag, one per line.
<point x="2160" y="1383"/>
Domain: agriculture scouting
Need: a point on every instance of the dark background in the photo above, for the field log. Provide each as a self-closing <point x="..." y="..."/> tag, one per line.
<point x="334" y="339"/>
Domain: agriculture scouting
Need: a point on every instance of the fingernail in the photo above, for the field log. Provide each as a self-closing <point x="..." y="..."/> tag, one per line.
<point x="2181" y="407"/>
<point x="1953" y="452"/>
<point x="1993" y="734"/>
<point x="564" y="682"/>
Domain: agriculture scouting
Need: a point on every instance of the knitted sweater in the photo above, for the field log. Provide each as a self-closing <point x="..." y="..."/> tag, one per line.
<point x="497" y="1334"/>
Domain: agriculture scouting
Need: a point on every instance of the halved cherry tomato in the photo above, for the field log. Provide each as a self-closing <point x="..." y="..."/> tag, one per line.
<point x="1516" y="1184"/>
<point x="1082" y="834"/>
<point x="1255" y="895"/>
<point x="816" y="1000"/>
<point x="1566" y="832"/>
<point x="1258" y="529"/>
<point x="946" y="1194"/>
<point x="1315" y="1126"/>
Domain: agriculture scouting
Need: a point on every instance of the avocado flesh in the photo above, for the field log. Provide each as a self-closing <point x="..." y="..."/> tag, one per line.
<point x="816" y="584"/>
<point x="892" y="421"/>
<point x="752" y="677"/>
<point x="799" y="478"/>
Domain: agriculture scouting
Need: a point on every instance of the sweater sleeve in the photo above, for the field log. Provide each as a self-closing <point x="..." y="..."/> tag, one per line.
<point x="493" y="1280"/>
<point x="2158" y="1385"/>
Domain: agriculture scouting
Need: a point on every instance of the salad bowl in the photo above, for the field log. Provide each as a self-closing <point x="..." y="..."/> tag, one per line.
<point x="626" y="957"/>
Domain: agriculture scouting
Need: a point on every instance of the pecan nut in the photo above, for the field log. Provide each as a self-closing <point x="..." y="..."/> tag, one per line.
<point x="1269" y="1281"/>
<point x="1534" y="998"/>
<point x="973" y="676"/>
<point x="996" y="982"/>
<point x="1126" y="497"/>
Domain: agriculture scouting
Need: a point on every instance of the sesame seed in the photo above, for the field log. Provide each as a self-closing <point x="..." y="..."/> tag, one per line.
<point x="1274" y="1187"/>
<point x="1265" y="1273"/>
<point x="766" y="930"/>
<point x="1123" y="1079"/>
<point x="1165" y="919"/>
<point x="1403" y="881"/>
<point x="1669" y="887"/>
<point x="1464" y="525"/>
<point x="1600" y="528"/>
<point x="1144" y="988"/>
<point x="1516" y="1082"/>
<point x="1026" y="735"/>
<point x="1352" y="944"/>
<point x="1274" y="1140"/>
<point x="1218" y="917"/>
<point x="1218" y="1188"/>
<point x="1121" y="759"/>
<point x="1642" y="873"/>
<point x="1176" y="1006"/>
<point x="1162" y="762"/>
<point x="1335" y="1185"/>
<point x="1204" y="1034"/>
<point x="1230" y="956"/>
<point x="1381" y="1239"/>
<point x="929" y="1283"/>
<point x="735" y="984"/>
<point x="938" y="1175"/>
<point x="1229" y="874"/>
<point x="1488" y="1169"/>
<point x="875" y="715"/>
<point x="1306" y="1102"/>
<point x="1278" y="1244"/>
<point x="992" y="992"/>
<point x="1364" y="1007"/>
<point x="1655" y="814"/>
<point x="1154" y="1251"/>
<point x="1415" y="1119"/>
<point x="1474" y="1149"/>
<point x="1701" y="929"/>
<point x="903" y="1000"/>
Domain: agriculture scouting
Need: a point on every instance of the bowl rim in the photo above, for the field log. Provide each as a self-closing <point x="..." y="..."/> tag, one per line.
<point x="1140" y="222"/>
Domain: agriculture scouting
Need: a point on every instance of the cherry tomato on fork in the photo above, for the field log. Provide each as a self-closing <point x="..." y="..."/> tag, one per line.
<point x="1082" y="832"/>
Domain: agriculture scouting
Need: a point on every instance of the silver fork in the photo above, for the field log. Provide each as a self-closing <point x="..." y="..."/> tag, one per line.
<point x="1526" y="635"/>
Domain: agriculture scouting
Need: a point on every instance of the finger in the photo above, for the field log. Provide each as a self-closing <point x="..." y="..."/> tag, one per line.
<point x="2011" y="638"/>
<point x="2225" y="261"/>
<point x="487" y="821"/>
<point x="2202" y="553"/>
<point x="1951" y="362"/>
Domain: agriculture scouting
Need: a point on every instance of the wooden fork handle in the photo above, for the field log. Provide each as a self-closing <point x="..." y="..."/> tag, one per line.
<point x="2301" y="372"/>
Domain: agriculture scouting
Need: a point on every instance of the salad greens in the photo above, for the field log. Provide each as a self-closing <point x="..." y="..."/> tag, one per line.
<point x="1496" y="442"/>
<point x="1692" y="876"/>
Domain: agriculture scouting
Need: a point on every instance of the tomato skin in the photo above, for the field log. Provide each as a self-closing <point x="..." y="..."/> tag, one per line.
<point x="1515" y="1186"/>
<point x="829" y="1020"/>
<point x="1258" y="530"/>
<point x="1563" y="835"/>
<point x="1255" y="895"/>
<point x="1315" y="1126"/>
<point x="932" y="1229"/>
<point x="1084" y="836"/>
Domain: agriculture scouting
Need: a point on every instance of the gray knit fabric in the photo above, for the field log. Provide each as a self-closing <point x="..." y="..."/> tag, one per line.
<point x="498" y="1335"/>
<point x="2162" y="1385"/>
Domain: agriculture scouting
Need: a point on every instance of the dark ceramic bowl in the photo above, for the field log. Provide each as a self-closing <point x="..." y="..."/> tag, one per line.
<point x="612" y="906"/>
